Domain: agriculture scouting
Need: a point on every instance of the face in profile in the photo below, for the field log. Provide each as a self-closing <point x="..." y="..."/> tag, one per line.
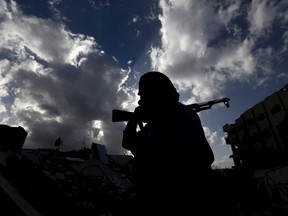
<point x="148" y="102"/>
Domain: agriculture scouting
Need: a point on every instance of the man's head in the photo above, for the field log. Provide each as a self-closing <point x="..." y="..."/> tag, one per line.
<point x="156" y="91"/>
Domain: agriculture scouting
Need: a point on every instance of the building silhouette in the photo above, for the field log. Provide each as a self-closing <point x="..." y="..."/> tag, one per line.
<point x="259" y="144"/>
<point x="258" y="138"/>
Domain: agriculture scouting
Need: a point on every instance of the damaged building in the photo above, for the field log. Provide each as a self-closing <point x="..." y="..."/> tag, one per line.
<point x="259" y="144"/>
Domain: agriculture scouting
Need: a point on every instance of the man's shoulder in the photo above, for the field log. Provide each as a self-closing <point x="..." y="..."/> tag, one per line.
<point x="184" y="109"/>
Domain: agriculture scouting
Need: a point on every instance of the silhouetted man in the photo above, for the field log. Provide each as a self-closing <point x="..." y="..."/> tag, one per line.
<point x="172" y="158"/>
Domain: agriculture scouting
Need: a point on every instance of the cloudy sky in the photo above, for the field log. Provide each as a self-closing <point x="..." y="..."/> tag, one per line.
<point x="65" y="64"/>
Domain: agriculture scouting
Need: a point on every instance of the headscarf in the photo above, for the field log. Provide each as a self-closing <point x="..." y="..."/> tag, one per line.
<point x="157" y="85"/>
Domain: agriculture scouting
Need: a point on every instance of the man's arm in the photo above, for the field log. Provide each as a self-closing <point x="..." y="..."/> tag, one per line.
<point x="130" y="134"/>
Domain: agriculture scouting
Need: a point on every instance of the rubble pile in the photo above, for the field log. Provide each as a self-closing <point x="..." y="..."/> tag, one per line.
<point x="66" y="183"/>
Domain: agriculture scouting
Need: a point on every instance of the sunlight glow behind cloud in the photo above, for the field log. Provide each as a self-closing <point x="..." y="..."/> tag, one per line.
<point x="49" y="92"/>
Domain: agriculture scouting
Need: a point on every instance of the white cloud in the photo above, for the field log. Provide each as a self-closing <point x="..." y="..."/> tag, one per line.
<point x="261" y="16"/>
<point x="2" y="109"/>
<point x="57" y="83"/>
<point x="225" y="162"/>
<point x="238" y="61"/>
<point x="200" y="59"/>
<point x="49" y="40"/>
<point x="211" y="136"/>
<point x="229" y="12"/>
<point x="187" y="28"/>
